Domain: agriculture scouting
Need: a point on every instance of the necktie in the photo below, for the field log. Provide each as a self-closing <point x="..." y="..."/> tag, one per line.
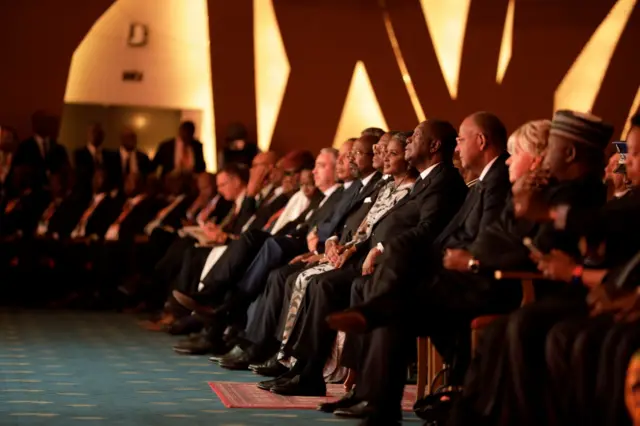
<point x="125" y="211"/>
<point x="48" y="213"/>
<point x="416" y="185"/>
<point x="206" y="211"/>
<point x="79" y="231"/>
<point x="127" y="165"/>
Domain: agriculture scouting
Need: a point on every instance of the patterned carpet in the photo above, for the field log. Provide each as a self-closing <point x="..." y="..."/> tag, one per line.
<point x="78" y="368"/>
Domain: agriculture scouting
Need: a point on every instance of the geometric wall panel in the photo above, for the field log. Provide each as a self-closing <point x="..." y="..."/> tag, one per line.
<point x="581" y="84"/>
<point x="507" y="43"/>
<point x="447" y="22"/>
<point x="361" y="108"/>
<point x="271" y="69"/>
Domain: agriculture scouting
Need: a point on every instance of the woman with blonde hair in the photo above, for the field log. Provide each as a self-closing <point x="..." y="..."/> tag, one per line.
<point x="526" y="146"/>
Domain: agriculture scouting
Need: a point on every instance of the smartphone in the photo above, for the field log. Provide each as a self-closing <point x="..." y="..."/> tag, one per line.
<point x="621" y="147"/>
<point x="528" y="243"/>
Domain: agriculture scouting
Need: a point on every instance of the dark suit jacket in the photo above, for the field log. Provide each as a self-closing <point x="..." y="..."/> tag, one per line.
<point x="417" y="219"/>
<point x="247" y="209"/>
<point x="266" y="210"/>
<point x="25" y="215"/>
<point x="349" y="206"/>
<point x="165" y="157"/>
<point x="103" y="216"/>
<point x="28" y="153"/>
<point x="615" y="224"/>
<point x="138" y="218"/>
<point x="144" y="165"/>
<point x="483" y="205"/>
<point x="291" y="226"/>
<point x="66" y="216"/>
<point x="321" y="215"/>
<point x="174" y="218"/>
<point x="85" y="166"/>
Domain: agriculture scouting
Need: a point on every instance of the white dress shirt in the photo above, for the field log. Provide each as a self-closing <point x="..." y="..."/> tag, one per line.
<point x="296" y="205"/>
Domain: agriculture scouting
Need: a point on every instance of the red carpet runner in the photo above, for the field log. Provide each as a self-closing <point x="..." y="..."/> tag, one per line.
<point x="247" y="395"/>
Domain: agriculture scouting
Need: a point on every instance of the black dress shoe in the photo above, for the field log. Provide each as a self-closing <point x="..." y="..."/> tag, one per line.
<point x="268" y="384"/>
<point x="185" y="325"/>
<point x="237" y="359"/>
<point x="348" y="400"/>
<point x="436" y="408"/>
<point x="271" y="368"/>
<point x="359" y="410"/>
<point x="298" y="386"/>
<point x="201" y="346"/>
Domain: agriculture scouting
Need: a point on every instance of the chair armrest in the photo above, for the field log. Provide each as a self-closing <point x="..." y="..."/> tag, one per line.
<point x="526" y="281"/>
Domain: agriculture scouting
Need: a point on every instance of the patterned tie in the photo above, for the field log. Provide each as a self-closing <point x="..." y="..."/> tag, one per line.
<point x="82" y="224"/>
<point x="126" y="209"/>
<point x="48" y="213"/>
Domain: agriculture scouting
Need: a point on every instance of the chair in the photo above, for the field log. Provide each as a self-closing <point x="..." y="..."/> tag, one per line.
<point x="528" y="296"/>
<point x="428" y="357"/>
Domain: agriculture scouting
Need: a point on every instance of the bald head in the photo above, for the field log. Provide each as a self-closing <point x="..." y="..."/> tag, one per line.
<point x="492" y="128"/>
<point x="482" y="137"/>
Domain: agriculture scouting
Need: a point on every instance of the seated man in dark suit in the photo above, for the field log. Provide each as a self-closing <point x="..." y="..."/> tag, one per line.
<point x="283" y="248"/>
<point x="398" y="285"/>
<point x="41" y="152"/>
<point x="436" y="197"/>
<point x="183" y="153"/>
<point x="235" y="261"/>
<point x="261" y="225"/>
<point x="114" y="259"/>
<point x="19" y="213"/>
<point x="54" y="227"/>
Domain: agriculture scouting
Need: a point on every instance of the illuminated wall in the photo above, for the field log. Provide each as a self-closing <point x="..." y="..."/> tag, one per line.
<point x="175" y="62"/>
<point x="582" y="82"/>
<point x="361" y="108"/>
<point x="309" y="73"/>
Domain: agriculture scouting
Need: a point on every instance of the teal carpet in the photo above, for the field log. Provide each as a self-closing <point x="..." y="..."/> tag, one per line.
<point x="80" y="368"/>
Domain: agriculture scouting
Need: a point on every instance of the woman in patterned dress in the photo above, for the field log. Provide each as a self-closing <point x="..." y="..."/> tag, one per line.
<point x="402" y="178"/>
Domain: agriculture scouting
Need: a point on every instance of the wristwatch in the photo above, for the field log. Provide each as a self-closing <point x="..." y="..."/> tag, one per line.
<point x="474" y="265"/>
<point x="576" y="275"/>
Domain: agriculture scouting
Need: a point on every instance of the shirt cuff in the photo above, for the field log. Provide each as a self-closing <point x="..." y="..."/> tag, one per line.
<point x="334" y="238"/>
<point x="561" y="213"/>
<point x="380" y="247"/>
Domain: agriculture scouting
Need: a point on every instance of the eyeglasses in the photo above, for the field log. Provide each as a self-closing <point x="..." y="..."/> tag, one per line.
<point x="289" y="172"/>
<point x="358" y="153"/>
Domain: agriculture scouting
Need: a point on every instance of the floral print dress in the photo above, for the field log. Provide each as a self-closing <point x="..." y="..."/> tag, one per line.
<point x="388" y="197"/>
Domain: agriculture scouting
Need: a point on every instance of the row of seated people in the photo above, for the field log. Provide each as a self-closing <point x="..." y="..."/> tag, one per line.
<point x="115" y="237"/>
<point x="65" y="232"/>
<point x="240" y="283"/>
<point x="407" y="249"/>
